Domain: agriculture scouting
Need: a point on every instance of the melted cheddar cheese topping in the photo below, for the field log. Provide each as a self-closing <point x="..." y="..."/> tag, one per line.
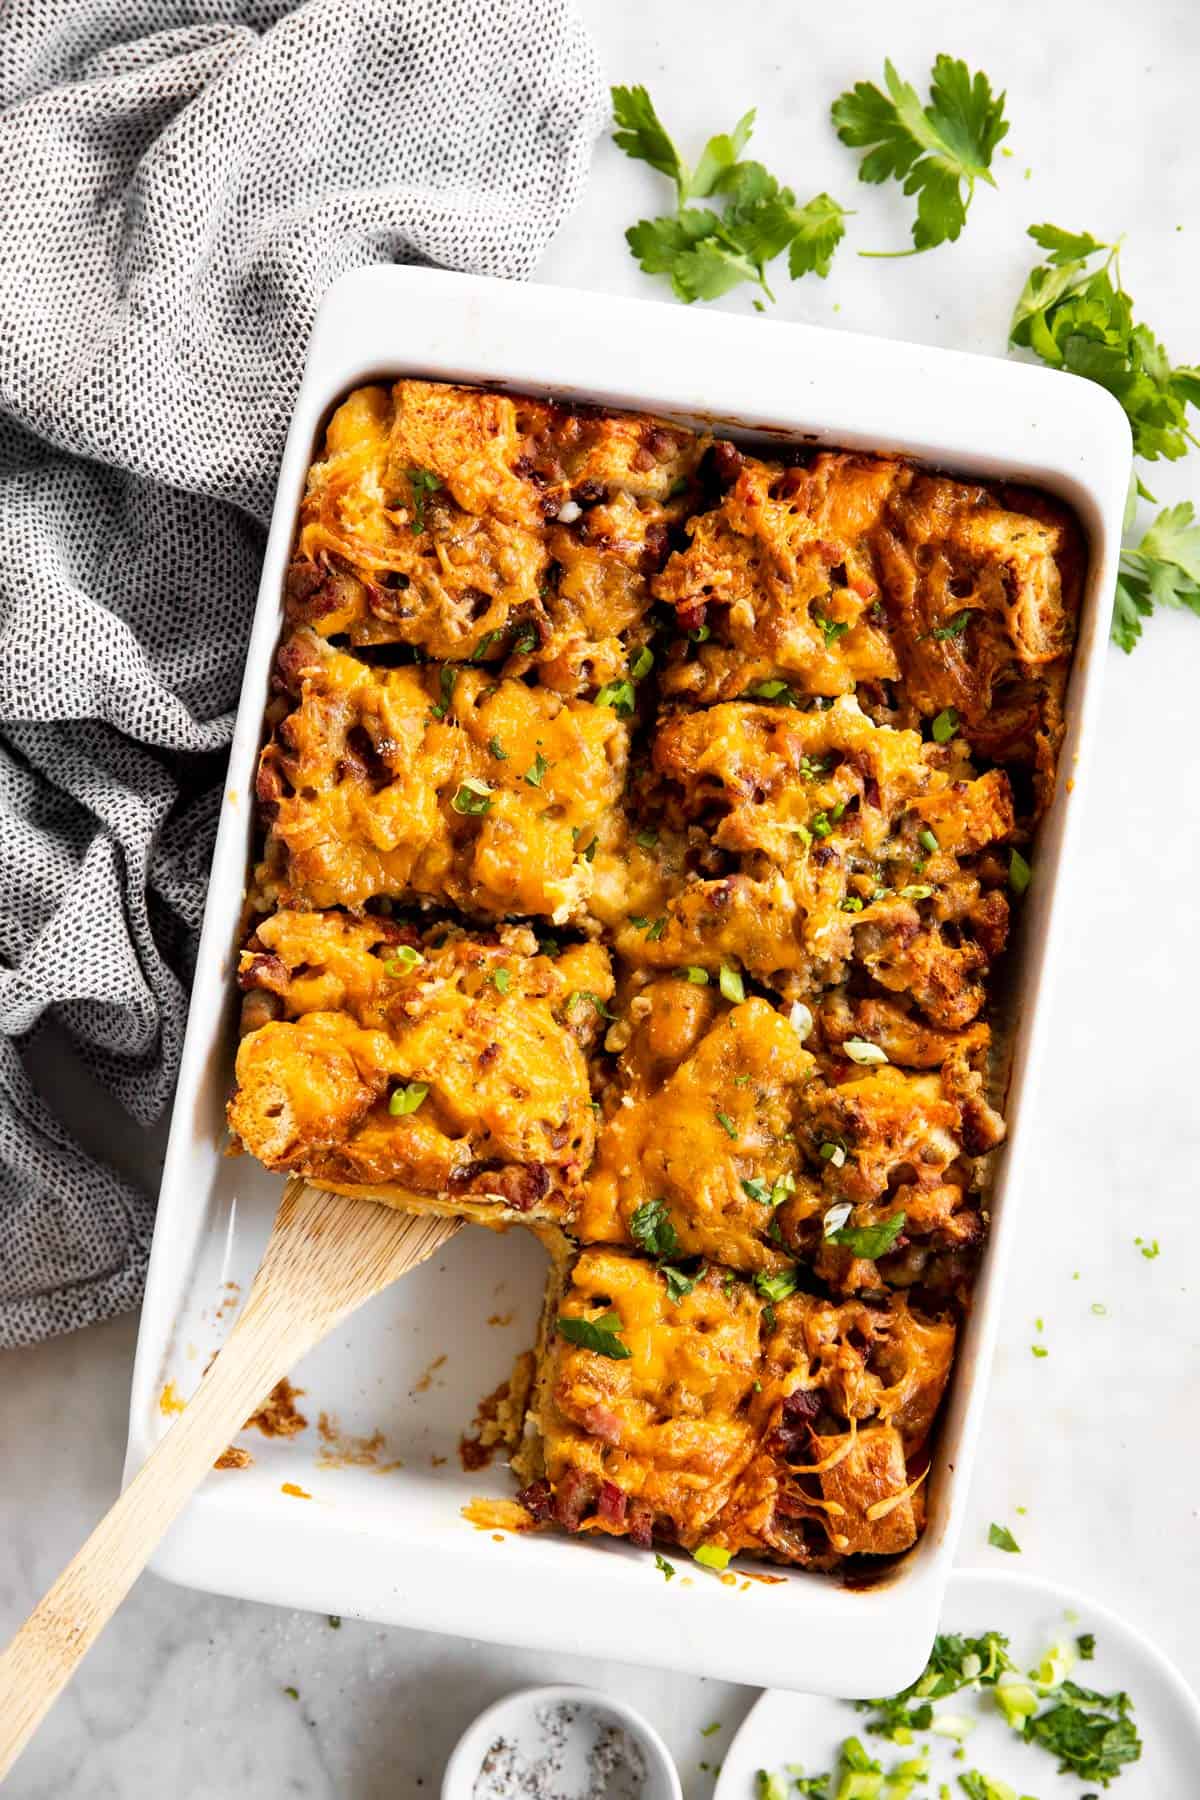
<point x="752" y="737"/>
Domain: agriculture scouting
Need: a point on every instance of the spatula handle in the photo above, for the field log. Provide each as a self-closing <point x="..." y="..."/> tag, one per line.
<point x="43" y="1655"/>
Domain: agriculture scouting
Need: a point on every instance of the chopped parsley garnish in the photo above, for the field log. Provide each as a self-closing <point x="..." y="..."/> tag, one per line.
<point x="657" y="929"/>
<point x="727" y="1125"/>
<point x="665" y="1568"/>
<point x="647" y="839"/>
<point x="1019" y="872"/>
<point x="650" y="1226"/>
<point x="708" y="1730"/>
<point x="525" y="641"/>
<point x="732" y="985"/>
<point x="1162" y="569"/>
<point x="679" y="1285"/>
<point x="945" y="725"/>
<point x="819" y="825"/>
<point x="869" y="1241"/>
<point x="935" y="150"/>
<point x="473" y="797"/>
<point x="599" y="1335"/>
<point x="954" y="1662"/>
<point x="497" y="749"/>
<point x="405" y="1100"/>
<point x="852" y="903"/>
<point x="619" y="695"/>
<point x="1091" y="1734"/>
<point x="953" y="627"/>
<point x="423" y="482"/>
<point x="1085" y="1643"/>
<point x="705" y="253"/>
<point x="1001" y="1538"/>
<point x="535" y="771"/>
<point x="448" y="678"/>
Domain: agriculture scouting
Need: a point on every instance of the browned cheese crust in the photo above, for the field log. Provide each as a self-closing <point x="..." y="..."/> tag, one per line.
<point x="796" y="1429"/>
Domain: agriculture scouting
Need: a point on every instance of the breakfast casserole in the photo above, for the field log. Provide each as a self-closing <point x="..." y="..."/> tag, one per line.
<point x="642" y="824"/>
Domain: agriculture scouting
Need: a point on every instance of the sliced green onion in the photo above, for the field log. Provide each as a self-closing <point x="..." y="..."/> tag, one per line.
<point x="832" y="1153"/>
<point x="835" y="1218"/>
<point x="861" y="1052"/>
<point x="642" y="663"/>
<point x="1019" y="872"/>
<point x="473" y="797"/>
<point x="727" y="1125"/>
<point x="927" y="840"/>
<point x="916" y="890"/>
<point x="406" y="1100"/>
<point x="711" y="1556"/>
<point x="800" y="1019"/>
<point x="402" y="960"/>
<point x="945" y="725"/>
<point x="732" y="985"/>
<point x="697" y="977"/>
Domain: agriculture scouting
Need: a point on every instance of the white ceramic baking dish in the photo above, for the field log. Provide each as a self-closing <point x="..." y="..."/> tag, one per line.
<point x="363" y="1536"/>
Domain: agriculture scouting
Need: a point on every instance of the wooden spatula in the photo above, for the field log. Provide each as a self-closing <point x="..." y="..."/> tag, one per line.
<point x="326" y="1255"/>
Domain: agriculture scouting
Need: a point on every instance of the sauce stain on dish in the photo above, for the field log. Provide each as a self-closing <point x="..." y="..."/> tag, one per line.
<point x="279" y="1416"/>
<point x="170" y="1401"/>
<point x="297" y="1493"/>
<point x="492" y="1515"/>
<point x="424" y="1382"/>
<point x="342" y="1451"/>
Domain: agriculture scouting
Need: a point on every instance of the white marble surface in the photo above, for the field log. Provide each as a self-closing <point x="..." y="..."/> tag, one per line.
<point x="185" y="1695"/>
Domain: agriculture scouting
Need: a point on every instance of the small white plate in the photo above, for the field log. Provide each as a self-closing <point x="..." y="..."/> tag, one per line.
<point x="802" y="1728"/>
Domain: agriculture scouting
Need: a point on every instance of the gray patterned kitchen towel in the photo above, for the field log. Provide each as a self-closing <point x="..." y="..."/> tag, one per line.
<point x="180" y="182"/>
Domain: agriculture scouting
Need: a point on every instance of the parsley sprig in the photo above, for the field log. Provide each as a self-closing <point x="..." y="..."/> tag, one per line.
<point x="1076" y="314"/>
<point x="706" y="253"/>
<point x="938" y="151"/>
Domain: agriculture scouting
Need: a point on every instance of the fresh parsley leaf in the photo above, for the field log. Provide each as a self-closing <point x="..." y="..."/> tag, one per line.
<point x="1080" y="318"/>
<point x="679" y="1285"/>
<point x="1163" y="569"/>
<point x="535" y="771"/>
<point x="667" y="1569"/>
<point x="870" y="1241"/>
<point x="1001" y="1538"/>
<point x="599" y="1335"/>
<point x="422" y="482"/>
<point x="641" y="134"/>
<point x="1085" y="1643"/>
<point x="497" y="749"/>
<point x="936" y="150"/>
<point x="650" y="1226"/>
<point x="705" y="252"/>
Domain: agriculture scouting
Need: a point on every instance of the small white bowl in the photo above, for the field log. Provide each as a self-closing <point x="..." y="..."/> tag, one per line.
<point x="518" y="1720"/>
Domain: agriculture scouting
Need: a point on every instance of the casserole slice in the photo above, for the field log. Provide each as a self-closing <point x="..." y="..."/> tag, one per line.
<point x="476" y="527"/>
<point x="722" y="1135"/>
<point x="801" y="845"/>
<point x="701" y="1413"/>
<point x="436" y="1069"/>
<point x="434" y="783"/>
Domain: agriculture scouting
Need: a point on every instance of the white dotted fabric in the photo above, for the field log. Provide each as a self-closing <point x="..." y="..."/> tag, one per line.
<point x="180" y="183"/>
